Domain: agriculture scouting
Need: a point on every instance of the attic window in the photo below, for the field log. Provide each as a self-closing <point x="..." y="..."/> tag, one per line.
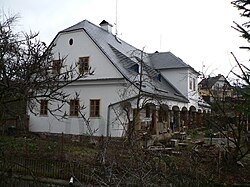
<point x="83" y="65"/>
<point x="70" y="41"/>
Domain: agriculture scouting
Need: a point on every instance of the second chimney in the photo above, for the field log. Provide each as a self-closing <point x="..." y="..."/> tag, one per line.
<point x="106" y="26"/>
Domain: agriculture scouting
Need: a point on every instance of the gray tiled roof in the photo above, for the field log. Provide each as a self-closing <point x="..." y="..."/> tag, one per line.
<point x="166" y="60"/>
<point x="125" y="57"/>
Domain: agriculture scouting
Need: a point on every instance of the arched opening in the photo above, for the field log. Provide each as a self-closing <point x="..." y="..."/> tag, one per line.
<point x="163" y="118"/>
<point x="184" y="118"/>
<point x="199" y="118"/>
<point x="149" y="123"/>
<point x="175" y="118"/>
<point x="192" y="116"/>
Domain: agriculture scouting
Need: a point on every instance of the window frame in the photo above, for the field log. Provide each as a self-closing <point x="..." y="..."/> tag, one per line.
<point x="94" y="109"/>
<point x="56" y="66"/>
<point x="44" y="107"/>
<point x="82" y="67"/>
<point x="74" y="107"/>
<point x="190" y="83"/>
<point x="194" y="84"/>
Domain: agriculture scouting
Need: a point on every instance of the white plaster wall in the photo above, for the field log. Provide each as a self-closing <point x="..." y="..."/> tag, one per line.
<point x="105" y="90"/>
<point x="84" y="46"/>
<point x="118" y="121"/>
<point x="180" y="79"/>
<point x="75" y="125"/>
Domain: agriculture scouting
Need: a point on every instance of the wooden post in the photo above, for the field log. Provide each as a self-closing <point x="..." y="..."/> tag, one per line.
<point x="62" y="144"/>
<point x="154" y="122"/>
<point x="168" y="120"/>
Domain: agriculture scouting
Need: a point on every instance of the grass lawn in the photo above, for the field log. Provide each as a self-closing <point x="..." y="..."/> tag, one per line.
<point x="32" y="146"/>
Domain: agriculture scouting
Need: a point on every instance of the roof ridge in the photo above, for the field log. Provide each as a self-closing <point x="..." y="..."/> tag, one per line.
<point x="72" y="26"/>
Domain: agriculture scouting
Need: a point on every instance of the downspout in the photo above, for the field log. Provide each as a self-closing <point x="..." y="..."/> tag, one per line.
<point x="108" y="121"/>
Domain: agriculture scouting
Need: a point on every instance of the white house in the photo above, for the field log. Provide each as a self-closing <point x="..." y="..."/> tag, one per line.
<point x="170" y="84"/>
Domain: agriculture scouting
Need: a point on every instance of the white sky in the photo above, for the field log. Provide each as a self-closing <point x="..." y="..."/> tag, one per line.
<point x="197" y="31"/>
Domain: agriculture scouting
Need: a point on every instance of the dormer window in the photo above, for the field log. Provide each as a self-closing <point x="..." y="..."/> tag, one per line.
<point x="137" y="68"/>
<point x="83" y="65"/>
<point x="159" y="77"/>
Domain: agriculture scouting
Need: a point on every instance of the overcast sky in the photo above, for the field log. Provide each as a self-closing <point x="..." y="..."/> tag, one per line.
<point x="197" y="31"/>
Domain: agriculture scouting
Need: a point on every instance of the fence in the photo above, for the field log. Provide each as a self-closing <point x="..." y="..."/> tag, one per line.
<point x="20" y="182"/>
<point x="46" y="168"/>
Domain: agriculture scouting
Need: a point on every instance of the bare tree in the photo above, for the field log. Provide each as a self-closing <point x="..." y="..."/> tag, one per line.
<point x="28" y="72"/>
<point x="138" y="94"/>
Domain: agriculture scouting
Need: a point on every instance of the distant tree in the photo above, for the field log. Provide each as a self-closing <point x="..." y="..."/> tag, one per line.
<point x="231" y="117"/>
<point x="243" y="86"/>
<point x="27" y="71"/>
<point x="243" y="7"/>
<point x="243" y="29"/>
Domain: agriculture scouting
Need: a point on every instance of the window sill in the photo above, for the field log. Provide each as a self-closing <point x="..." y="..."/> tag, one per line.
<point x="95" y="117"/>
<point x="73" y="116"/>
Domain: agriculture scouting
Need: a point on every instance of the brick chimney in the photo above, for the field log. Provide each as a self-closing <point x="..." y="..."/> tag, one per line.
<point x="106" y="26"/>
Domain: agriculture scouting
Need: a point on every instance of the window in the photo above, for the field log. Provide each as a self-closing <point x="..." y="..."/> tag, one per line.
<point x="56" y="66"/>
<point x="194" y="84"/>
<point x="190" y="83"/>
<point x="44" y="107"/>
<point x="94" y="107"/>
<point x="83" y="65"/>
<point x="74" y="107"/>
<point x="159" y="77"/>
<point x="71" y="41"/>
